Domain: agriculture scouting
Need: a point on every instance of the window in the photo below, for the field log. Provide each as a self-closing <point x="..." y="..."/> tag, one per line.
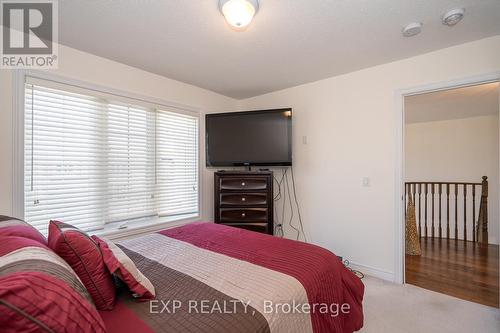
<point x="91" y="160"/>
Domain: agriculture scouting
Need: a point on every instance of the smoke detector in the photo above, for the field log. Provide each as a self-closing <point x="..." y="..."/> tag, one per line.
<point x="453" y="16"/>
<point x="412" y="29"/>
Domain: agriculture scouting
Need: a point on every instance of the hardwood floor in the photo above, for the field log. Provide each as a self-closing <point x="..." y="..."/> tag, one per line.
<point x="457" y="268"/>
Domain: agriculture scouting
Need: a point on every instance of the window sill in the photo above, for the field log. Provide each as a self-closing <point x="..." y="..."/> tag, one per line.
<point x="143" y="226"/>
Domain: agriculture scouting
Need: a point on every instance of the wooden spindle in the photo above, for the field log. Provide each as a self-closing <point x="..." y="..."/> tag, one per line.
<point x="425" y="209"/>
<point x="419" y="211"/>
<point x="414" y="191"/>
<point x="465" y="212"/>
<point x="439" y="192"/>
<point x="456" y="211"/>
<point x="482" y="227"/>
<point x="433" y="210"/>
<point x="447" y="211"/>
<point x="473" y="212"/>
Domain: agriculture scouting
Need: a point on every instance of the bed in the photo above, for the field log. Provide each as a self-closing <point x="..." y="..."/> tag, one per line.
<point x="213" y="278"/>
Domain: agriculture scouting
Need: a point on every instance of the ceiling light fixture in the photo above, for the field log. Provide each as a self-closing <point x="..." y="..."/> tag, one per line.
<point x="239" y="13"/>
<point x="412" y="29"/>
<point x="453" y="16"/>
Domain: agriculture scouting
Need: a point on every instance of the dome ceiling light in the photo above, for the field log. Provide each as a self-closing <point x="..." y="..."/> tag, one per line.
<point x="239" y="13"/>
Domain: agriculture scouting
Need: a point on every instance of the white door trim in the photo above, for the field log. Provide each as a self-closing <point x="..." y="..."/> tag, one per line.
<point x="400" y="154"/>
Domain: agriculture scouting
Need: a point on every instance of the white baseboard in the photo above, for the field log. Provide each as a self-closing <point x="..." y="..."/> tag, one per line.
<point x="372" y="271"/>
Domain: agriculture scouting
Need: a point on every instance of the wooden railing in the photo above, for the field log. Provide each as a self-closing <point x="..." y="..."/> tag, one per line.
<point x="437" y="209"/>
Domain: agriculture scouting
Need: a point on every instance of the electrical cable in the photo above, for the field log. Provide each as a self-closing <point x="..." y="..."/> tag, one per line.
<point x="357" y="273"/>
<point x="278" y="226"/>
<point x="292" y="214"/>
<point x="297" y="204"/>
<point x="280" y="182"/>
<point x="282" y="196"/>
<point x="283" y="200"/>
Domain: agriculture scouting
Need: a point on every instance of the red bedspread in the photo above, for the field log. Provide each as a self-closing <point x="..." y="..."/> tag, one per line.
<point x="324" y="277"/>
<point x="176" y="261"/>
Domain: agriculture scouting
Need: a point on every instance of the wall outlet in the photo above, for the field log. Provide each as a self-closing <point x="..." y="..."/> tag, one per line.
<point x="304" y="140"/>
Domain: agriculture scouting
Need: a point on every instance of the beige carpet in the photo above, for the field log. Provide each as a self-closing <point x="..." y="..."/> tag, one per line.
<point x="390" y="307"/>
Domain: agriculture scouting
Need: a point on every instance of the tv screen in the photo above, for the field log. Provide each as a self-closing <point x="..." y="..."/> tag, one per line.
<point x="262" y="138"/>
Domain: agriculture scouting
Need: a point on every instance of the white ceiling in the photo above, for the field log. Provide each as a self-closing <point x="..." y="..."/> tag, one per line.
<point x="473" y="101"/>
<point x="290" y="42"/>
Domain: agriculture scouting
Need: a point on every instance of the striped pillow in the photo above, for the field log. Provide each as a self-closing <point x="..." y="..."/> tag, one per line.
<point x="124" y="268"/>
<point x="85" y="257"/>
<point x="10" y="226"/>
<point x="40" y="292"/>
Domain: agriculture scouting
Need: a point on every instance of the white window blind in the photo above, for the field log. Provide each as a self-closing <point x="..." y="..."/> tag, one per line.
<point x="177" y="163"/>
<point x="130" y="160"/>
<point x="90" y="160"/>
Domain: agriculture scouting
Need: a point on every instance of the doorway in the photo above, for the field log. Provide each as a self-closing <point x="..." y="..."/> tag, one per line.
<point x="451" y="192"/>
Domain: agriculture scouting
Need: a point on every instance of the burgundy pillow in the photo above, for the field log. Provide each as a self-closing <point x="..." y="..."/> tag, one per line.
<point x="10" y="226"/>
<point x="39" y="292"/>
<point x="85" y="257"/>
<point x="124" y="268"/>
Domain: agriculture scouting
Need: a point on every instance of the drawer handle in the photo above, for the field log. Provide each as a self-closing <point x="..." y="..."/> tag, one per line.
<point x="243" y="183"/>
<point x="243" y="214"/>
<point x="243" y="199"/>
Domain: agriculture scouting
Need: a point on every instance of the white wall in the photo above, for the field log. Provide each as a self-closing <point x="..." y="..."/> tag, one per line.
<point x="350" y="124"/>
<point x="96" y="70"/>
<point x="458" y="150"/>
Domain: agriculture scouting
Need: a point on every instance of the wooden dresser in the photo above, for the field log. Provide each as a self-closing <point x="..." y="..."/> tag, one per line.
<point x="244" y="200"/>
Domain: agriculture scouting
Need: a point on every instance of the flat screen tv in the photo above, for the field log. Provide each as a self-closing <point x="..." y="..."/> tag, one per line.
<point x="260" y="138"/>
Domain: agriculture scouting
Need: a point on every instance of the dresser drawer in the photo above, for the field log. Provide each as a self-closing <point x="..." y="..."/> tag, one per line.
<point x="258" y="227"/>
<point x="243" y="215"/>
<point x="242" y="184"/>
<point x="243" y="199"/>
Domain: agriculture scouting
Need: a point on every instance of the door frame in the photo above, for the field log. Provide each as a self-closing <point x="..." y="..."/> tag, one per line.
<point x="399" y="97"/>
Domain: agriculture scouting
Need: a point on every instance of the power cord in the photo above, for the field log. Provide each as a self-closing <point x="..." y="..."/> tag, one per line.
<point x="278" y="230"/>
<point x="297" y="204"/>
<point x="279" y="182"/>
<point x="292" y="214"/>
<point x="357" y="273"/>
<point x="288" y="195"/>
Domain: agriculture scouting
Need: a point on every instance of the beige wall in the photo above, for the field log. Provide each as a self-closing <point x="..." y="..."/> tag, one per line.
<point x="103" y="72"/>
<point x="350" y="124"/>
<point x="458" y="150"/>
